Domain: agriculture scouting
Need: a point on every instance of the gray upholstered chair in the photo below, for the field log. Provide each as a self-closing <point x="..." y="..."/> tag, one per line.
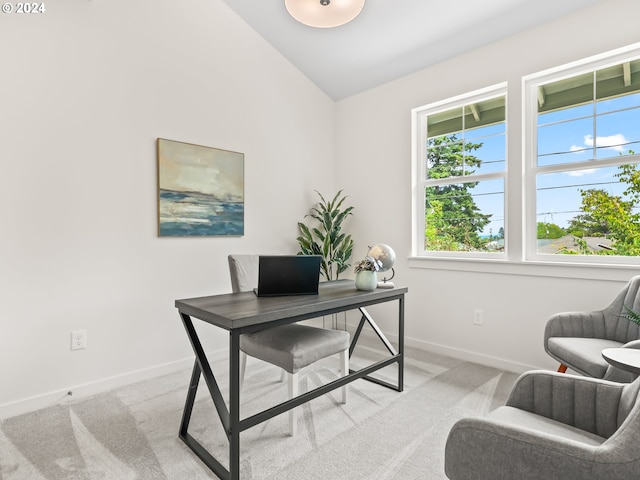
<point x="576" y="339"/>
<point x="554" y="426"/>
<point x="290" y="347"/>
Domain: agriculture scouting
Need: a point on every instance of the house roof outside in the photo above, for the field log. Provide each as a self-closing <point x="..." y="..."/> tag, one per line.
<point x="570" y="242"/>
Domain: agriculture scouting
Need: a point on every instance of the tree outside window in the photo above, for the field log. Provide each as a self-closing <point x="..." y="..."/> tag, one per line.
<point x="463" y="169"/>
<point x="587" y="175"/>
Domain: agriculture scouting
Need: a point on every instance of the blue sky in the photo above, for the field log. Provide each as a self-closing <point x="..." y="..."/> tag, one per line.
<point x="567" y="137"/>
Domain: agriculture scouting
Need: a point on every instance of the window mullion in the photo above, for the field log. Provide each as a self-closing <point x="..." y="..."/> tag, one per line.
<point x="594" y="155"/>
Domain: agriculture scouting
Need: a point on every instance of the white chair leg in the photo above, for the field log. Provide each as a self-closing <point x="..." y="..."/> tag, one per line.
<point x="243" y="367"/>
<point x="344" y="370"/>
<point x="293" y="392"/>
<point x="283" y="375"/>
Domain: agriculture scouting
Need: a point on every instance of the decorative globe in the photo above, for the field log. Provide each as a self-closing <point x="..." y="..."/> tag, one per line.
<point x="385" y="254"/>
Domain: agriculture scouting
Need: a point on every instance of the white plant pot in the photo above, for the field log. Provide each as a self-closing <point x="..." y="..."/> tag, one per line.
<point x="366" y="280"/>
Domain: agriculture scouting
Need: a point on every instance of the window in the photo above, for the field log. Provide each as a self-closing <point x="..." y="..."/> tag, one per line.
<point x="459" y="175"/>
<point x="583" y="147"/>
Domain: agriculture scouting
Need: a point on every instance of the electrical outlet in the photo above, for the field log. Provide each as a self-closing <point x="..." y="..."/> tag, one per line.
<point x="477" y="317"/>
<point x="78" y="339"/>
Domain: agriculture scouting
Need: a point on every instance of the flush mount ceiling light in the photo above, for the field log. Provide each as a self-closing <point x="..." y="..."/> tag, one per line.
<point x="324" y="13"/>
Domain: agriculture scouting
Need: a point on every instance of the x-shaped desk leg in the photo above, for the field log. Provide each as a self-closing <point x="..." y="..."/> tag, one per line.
<point x="366" y="317"/>
<point x="230" y="418"/>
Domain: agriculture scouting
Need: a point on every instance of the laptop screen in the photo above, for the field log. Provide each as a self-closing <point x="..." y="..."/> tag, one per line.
<point x="288" y="275"/>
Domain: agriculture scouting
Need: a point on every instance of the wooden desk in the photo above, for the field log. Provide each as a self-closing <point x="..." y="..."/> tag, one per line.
<point x="240" y="313"/>
<point x="627" y="359"/>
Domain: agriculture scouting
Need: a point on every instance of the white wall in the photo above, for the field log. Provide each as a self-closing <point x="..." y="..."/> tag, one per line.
<point x="86" y="88"/>
<point x="374" y="158"/>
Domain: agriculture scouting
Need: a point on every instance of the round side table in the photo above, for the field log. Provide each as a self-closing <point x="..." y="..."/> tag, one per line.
<point x="625" y="358"/>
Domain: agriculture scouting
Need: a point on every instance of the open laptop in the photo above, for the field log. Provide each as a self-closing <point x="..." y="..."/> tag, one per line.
<point x="288" y="275"/>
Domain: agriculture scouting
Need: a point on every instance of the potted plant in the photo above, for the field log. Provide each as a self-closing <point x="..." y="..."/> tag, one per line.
<point x="366" y="273"/>
<point x="327" y="238"/>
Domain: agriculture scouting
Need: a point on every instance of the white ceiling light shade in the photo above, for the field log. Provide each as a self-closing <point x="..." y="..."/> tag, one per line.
<point x="324" y="13"/>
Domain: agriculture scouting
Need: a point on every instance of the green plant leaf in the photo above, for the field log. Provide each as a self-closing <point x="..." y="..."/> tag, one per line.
<point x="631" y="315"/>
<point x="326" y="237"/>
<point x="304" y="230"/>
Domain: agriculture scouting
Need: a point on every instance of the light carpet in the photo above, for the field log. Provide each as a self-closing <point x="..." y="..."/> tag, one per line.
<point x="380" y="434"/>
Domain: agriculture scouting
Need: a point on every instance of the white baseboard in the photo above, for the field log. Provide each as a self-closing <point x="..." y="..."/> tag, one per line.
<point x="37" y="402"/>
<point x="91" y="388"/>
<point x="468" y="356"/>
<point x="474" y="357"/>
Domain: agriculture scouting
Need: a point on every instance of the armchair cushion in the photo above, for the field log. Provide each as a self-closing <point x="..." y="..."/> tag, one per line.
<point x="585" y="352"/>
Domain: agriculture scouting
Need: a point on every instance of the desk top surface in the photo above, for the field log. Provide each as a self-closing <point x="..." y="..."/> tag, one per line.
<point x="236" y="310"/>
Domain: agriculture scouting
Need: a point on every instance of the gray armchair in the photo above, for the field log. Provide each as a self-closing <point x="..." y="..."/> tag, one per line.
<point x="576" y="339"/>
<point x="554" y="426"/>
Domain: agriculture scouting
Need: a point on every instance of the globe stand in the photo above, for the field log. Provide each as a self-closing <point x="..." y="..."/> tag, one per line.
<point x="385" y="283"/>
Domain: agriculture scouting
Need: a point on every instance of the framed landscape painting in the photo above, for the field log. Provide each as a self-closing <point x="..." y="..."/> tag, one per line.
<point x="200" y="190"/>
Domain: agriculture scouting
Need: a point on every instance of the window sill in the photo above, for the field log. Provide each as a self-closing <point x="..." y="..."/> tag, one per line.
<point x="528" y="268"/>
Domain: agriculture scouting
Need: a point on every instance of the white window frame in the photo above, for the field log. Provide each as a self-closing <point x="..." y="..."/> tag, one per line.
<point x="419" y="171"/>
<point x="530" y="85"/>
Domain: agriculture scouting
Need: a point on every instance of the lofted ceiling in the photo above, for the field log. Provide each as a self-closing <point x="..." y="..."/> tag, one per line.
<point x="393" y="38"/>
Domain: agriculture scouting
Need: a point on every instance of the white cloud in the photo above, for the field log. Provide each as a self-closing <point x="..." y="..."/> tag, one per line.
<point x="614" y="142"/>
<point x="581" y="173"/>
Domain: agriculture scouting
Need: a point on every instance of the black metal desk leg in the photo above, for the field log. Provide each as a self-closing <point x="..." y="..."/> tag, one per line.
<point x="398" y="355"/>
<point x="234" y="406"/>
<point x="202" y="367"/>
<point x="401" y="343"/>
<point x="191" y="396"/>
